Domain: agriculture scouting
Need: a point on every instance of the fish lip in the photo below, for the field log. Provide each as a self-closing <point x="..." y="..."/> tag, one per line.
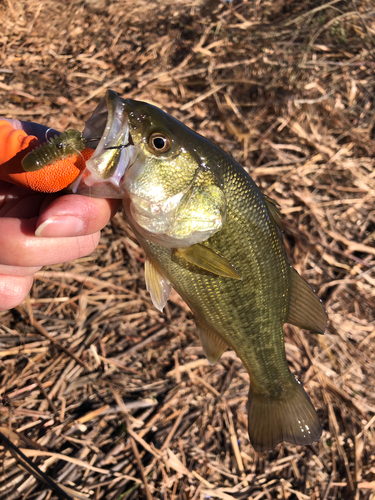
<point x="115" y="151"/>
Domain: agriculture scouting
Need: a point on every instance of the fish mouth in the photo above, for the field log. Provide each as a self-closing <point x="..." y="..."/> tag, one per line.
<point x="108" y="131"/>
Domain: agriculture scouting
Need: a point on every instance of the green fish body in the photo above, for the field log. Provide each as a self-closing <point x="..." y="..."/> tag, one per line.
<point x="210" y="233"/>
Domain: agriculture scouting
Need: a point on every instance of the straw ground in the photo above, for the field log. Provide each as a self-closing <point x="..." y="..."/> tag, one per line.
<point x="103" y="397"/>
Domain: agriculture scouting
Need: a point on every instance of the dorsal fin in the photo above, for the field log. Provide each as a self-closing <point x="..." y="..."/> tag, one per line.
<point x="273" y="210"/>
<point x="306" y="310"/>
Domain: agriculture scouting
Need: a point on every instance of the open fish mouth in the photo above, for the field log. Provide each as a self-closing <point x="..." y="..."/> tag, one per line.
<point x="108" y="131"/>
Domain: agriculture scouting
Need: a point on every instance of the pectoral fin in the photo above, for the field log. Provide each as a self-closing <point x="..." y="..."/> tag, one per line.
<point x="306" y="310"/>
<point x="157" y="285"/>
<point x="213" y="345"/>
<point x="207" y="259"/>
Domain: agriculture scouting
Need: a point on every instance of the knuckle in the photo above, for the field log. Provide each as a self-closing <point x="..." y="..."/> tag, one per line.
<point x="87" y="244"/>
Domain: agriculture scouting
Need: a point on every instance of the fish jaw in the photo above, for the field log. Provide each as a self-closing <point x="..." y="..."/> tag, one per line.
<point x="108" y="129"/>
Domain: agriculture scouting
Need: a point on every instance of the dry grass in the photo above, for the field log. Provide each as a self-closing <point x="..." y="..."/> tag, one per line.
<point x="109" y="397"/>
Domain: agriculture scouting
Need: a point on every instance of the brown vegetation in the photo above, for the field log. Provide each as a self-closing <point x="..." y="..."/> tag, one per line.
<point x="109" y="397"/>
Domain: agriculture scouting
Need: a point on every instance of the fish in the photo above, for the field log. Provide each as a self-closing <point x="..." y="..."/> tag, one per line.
<point x="211" y="234"/>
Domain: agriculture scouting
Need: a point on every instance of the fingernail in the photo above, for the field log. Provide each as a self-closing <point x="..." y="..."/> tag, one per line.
<point x="60" y="226"/>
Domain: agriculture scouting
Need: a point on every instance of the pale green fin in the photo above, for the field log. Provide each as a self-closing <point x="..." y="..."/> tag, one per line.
<point x="213" y="345"/>
<point x="290" y="417"/>
<point x="157" y="285"/>
<point x="207" y="259"/>
<point x="306" y="310"/>
<point x="273" y="210"/>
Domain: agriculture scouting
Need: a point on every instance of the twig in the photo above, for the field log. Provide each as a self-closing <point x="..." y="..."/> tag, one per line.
<point x="38" y="472"/>
<point x="35" y="323"/>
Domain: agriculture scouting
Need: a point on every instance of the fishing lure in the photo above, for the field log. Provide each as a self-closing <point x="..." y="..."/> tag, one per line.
<point x="59" y="148"/>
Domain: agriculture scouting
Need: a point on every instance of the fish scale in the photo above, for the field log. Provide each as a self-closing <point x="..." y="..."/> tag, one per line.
<point x="230" y="312"/>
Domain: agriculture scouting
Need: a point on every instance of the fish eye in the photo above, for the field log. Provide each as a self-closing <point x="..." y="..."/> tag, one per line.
<point x="160" y="143"/>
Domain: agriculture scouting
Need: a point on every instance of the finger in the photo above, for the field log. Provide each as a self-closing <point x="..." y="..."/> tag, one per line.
<point x="13" y="290"/>
<point x="19" y="202"/>
<point x="19" y="246"/>
<point x="18" y="271"/>
<point x="74" y="215"/>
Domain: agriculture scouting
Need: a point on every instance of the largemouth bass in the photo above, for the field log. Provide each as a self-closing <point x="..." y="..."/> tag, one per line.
<point x="209" y="232"/>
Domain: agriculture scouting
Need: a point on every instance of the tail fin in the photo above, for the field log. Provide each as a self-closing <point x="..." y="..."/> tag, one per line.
<point x="291" y="417"/>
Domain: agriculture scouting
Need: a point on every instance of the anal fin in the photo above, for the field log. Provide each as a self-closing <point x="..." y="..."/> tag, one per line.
<point x="158" y="286"/>
<point x="207" y="259"/>
<point x="306" y="310"/>
<point x="213" y="345"/>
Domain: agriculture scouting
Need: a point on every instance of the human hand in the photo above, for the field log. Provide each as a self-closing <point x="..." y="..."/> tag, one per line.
<point x="39" y="229"/>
